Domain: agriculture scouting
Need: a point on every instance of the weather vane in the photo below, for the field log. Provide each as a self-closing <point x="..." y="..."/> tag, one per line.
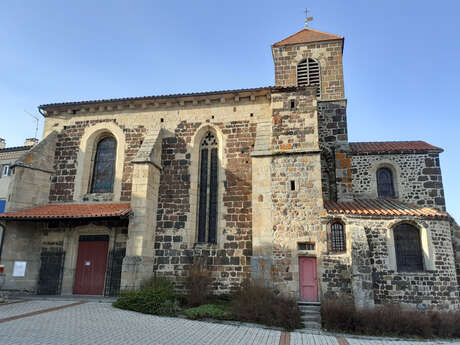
<point x="307" y="18"/>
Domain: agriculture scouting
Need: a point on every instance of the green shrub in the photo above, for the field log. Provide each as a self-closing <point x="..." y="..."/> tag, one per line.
<point x="259" y="304"/>
<point x="210" y="311"/>
<point x="340" y="314"/>
<point x="156" y="297"/>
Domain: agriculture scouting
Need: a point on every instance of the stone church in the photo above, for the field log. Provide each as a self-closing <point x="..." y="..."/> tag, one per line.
<point x="261" y="183"/>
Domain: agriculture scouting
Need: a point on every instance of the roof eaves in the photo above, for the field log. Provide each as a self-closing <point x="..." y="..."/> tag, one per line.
<point x="147" y="98"/>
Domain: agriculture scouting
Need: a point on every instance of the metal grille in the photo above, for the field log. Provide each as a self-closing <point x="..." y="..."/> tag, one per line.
<point x="305" y="246"/>
<point x="385" y="187"/>
<point x="207" y="214"/>
<point x="104" y="166"/>
<point x="113" y="277"/>
<point x="51" y="270"/>
<point x="308" y="74"/>
<point x="338" y="237"/>
<point x="408" y="248"/>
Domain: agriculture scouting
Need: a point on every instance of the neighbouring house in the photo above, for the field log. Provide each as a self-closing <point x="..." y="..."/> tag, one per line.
<point x="261" y="182"/>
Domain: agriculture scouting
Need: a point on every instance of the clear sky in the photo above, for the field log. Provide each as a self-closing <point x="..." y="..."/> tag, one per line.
<point x="401" y="59"/>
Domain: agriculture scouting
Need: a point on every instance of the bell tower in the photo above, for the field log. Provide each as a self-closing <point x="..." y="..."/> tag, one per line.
<point x="311" y="57"/>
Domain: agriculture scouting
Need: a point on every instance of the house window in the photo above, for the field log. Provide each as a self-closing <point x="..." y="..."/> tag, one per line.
<point x="338" y="237"/>
<point x="6" y="170"/>
<point x="385" y="186"/>
<point x="208" y="186"/>
<point x="104" y="166"/>
<point x="408" y="248"/>
<point x="308" y="74"/>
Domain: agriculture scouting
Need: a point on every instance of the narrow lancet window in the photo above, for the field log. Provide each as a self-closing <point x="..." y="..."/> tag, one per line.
<point x="104" y="166"/>
<point x="208" y="187"/>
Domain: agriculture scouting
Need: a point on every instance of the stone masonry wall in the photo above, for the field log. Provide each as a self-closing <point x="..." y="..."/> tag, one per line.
<point x="417" y="177"/>
<point x="328" y="54"/>
<point x="295" y="214"/>
<point x="229" y="259"/>
<point x="435" y="286"/>
<point x="63" y="183"/>
<point x="333" y="134"/>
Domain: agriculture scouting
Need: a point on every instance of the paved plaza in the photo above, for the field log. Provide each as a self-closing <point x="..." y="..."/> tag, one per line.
<point x="70" y="322"/>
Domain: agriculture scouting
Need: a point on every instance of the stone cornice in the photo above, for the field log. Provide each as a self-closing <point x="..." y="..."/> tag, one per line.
<point x="152" y="102"/>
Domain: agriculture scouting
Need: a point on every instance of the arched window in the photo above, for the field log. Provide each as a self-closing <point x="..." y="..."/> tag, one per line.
<point x="408" y="248"/>
<point x="338" y="243"/>
<point x="104" y="166"/>
<point x="208" y="185"/>
<point x="308" y="74"/>
<point x="385" y="186"/>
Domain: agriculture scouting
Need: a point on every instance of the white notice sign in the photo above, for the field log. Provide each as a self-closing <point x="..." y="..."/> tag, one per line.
<point x="19" y="269"/>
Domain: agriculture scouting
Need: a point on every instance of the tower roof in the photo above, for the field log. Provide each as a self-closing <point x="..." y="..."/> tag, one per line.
<point x="307" y="36"/>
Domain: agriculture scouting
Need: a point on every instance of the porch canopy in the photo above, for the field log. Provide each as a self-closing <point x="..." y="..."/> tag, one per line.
<point x="70" y="211"/>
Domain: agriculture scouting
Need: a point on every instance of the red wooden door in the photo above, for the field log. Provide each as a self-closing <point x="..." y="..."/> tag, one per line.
<point x="91" y="265"/>
<point x="308" y="279"/>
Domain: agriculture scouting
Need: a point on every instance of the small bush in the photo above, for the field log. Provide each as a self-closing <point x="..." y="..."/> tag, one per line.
<point x="197" y="283"/>
<point x="341" y="315"/>
<point x="156" y="296"/>
<point x="210" y="311"/>
<point x="258" y="304"/>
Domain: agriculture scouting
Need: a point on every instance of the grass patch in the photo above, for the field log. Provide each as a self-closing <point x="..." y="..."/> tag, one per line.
<point x="208" y="311"/>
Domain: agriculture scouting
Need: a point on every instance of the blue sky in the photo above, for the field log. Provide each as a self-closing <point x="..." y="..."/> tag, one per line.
<point x="401" y="59"/>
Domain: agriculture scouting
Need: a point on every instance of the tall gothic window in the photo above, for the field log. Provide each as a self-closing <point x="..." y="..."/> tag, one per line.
<point x="408" y="248"/>
<point x="308" y="74"/>
<point x="104" y="166"/>
<point x="208" y="185"/>
<point x="338" y="237"/>
<point x="385" y="186"/>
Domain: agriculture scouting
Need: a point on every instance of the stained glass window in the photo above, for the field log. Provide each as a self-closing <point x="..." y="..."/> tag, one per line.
<point x="338" y="237"/>
<point x="385" y="187"/>
<point x="208" y="186"/>
<point x="408" y="248"/>
<point x="104" y="166"/>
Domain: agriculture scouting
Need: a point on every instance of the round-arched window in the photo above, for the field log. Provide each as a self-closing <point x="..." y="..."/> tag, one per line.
<point x="385" y="184"/>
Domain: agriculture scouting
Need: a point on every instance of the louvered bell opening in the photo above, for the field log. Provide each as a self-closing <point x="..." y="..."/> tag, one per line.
<point x="308" y="73"/>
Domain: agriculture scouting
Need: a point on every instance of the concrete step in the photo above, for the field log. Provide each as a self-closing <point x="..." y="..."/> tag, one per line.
<point x="311" y="314"/>
<point x="309" y="309"/>
<point x="308" y="303"/>
<point x="312" y="324"/>
<point x="311" y="317"/>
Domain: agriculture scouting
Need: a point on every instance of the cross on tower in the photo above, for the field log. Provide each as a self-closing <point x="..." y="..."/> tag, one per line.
<point x="307" y="19"/>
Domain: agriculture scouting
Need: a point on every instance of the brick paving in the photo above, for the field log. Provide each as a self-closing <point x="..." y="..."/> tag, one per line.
<point x="100" y="323"/>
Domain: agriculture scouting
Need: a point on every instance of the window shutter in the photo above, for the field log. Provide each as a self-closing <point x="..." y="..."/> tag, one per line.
<point x="308" y="74"/>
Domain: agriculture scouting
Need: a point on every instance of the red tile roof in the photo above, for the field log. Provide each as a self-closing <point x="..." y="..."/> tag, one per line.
<point x="392" y="146"/>
<point x="380" y="207"/>
<point x="63" y="211"/>
<point x="307" y="36"/>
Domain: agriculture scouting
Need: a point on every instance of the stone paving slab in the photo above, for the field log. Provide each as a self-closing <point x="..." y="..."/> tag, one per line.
<point x="312" y="339"/>
<point x="100" y="323"/>
<point x="96" y="323"/>
<point x="354" y="341"/>
<point x="15" y="309"/>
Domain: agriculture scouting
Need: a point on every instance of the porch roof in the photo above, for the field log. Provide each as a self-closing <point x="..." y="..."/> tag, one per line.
<point x="380" y="207"/>
<point x="69" y="211"/>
